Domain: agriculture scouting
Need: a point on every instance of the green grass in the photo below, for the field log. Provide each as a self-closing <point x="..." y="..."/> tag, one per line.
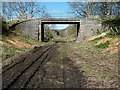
<point x="10" y="51"/>
<point x="103" y="45"/>
<point x="27" y="39"/>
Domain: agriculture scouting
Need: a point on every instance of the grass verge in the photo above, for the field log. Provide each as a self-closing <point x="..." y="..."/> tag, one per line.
<point x="10" y="49"/>
<point x="103" y="45"/>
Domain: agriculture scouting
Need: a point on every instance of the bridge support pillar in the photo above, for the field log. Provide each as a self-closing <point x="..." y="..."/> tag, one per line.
<point x="78" y="28"/>
<point x="78" y="32"/>
<point x="39" y="32"/>
<point x="42" y="32"/>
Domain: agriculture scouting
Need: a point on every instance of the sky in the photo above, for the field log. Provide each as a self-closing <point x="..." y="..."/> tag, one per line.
<point x="58" y="10"/>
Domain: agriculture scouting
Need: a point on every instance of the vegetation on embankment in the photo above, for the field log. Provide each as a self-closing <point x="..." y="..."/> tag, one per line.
<point x="113" y="24"/>
<point x="103" y="45"/>
<point x="69" y="33"/>
<point x="15" y="42"/>
<point x="108" y="42"/>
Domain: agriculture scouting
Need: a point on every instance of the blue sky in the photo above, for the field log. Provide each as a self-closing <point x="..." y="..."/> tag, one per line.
<point x="58" y="10"/>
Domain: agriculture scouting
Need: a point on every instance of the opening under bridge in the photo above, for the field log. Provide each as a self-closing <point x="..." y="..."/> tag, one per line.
<point x="42" y="22"/>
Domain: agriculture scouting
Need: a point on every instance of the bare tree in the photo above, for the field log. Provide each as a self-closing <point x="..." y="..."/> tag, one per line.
<point x="81" y="9"/>
<point x="44" y="13"/>
<point x="102" y="9"/>
<point x="7" y="11"/>
<point x="23" y="10"/>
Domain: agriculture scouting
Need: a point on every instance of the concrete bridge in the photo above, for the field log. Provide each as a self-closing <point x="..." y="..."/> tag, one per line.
<point x="35" y="27"/>
<point x="42" y="22"/>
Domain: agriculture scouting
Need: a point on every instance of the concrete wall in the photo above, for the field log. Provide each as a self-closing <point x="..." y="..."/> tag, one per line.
<point x="88" y="28"/>
<point x="29" y="28"/>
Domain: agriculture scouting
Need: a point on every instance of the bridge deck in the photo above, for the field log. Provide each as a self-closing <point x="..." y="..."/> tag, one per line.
<point x="60" y="21"/>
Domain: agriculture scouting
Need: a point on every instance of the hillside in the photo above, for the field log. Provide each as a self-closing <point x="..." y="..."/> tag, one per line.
<point x="15" y="42"/>
<point x="69" y="33"/>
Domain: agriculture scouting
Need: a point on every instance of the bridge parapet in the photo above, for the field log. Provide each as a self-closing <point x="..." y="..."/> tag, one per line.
<point x="60" y="19"/>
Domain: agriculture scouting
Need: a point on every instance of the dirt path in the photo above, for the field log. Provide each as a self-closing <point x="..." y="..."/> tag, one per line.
<point x="100" y="68"/>
<point x="42" y="67"/>
<point x="61" y="65"/>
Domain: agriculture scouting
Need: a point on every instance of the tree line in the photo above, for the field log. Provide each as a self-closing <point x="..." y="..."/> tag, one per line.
<point x="95" y="9"/>
<point x="107" y="12"/>
<point x="23" y="10"/>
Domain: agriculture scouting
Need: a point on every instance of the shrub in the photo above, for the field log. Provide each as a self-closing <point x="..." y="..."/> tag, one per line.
<point x="48" y="35"/>
<point x="114" y="25"/>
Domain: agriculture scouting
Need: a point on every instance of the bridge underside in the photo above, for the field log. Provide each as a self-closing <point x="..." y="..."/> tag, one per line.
<point x="41" y="29"/>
